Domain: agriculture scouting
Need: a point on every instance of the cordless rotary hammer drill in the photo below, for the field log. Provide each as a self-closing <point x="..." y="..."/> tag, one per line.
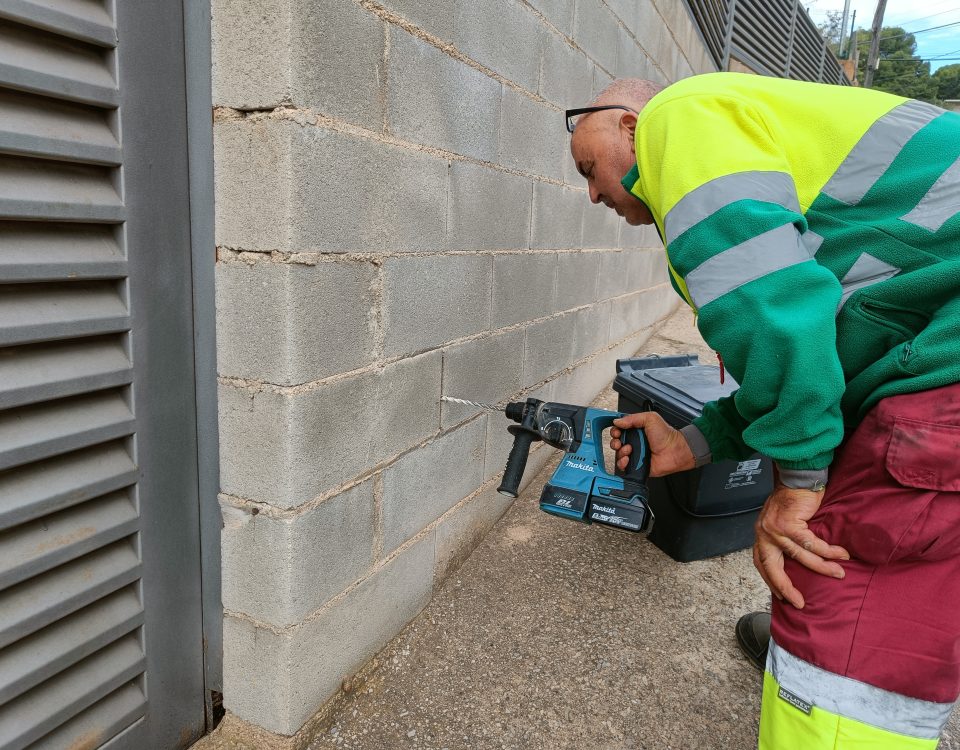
<point x="580" y="488"/>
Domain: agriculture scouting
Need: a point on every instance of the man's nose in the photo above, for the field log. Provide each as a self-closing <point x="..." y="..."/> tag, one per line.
<point x="594" y="193"/>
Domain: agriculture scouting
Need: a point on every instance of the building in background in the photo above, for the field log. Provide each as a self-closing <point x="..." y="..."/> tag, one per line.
<point x="225" y="468"/>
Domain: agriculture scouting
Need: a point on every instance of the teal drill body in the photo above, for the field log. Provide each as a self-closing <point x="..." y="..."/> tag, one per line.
<point x="581" y="488"/>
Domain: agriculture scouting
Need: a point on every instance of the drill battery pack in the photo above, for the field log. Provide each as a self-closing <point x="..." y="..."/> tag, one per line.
<point x="702" y="512"/>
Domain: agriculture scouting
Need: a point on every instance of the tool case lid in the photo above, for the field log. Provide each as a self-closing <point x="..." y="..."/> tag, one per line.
<point x="679" y="383"/>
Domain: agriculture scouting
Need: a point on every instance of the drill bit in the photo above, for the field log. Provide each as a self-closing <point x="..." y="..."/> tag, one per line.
<point x="477" y="404"/>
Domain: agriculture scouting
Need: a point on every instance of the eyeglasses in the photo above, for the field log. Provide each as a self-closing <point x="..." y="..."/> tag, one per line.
<point x="571" y="113"/>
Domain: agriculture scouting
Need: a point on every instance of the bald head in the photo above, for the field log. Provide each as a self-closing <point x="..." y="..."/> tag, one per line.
<point x="632" y="92"/>
<point x="603" y="145"/>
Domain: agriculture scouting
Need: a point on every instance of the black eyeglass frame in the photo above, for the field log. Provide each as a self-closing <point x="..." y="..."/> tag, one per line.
<point x="571" y="113"/>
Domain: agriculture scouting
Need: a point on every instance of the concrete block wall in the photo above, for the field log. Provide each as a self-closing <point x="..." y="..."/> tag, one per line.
<point x="398" y="218"/>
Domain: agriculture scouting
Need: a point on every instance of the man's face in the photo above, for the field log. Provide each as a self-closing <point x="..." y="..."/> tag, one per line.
<point x="602" y="148"/>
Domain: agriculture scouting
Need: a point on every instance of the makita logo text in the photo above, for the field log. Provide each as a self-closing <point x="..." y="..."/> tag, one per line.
<point x="605" y="509"/>
<point x="582" y="467"/>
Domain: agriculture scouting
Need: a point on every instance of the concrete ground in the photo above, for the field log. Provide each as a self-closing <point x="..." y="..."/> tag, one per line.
<point x="559" y="635"/>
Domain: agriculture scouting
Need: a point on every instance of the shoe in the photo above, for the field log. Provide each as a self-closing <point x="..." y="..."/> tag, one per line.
<point x="753" y="637"/>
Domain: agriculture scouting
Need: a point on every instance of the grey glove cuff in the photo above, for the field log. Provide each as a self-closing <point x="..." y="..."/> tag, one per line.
<point x="803" y="479"/>
<point x="698" y="444"/>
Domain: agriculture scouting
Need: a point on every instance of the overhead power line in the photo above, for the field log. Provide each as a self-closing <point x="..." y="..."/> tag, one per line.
<point x="913" y="33"/>
<point x="924" y="18"/>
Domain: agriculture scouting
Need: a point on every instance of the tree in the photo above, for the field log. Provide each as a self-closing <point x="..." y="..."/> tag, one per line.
<point x="901" y="71"/>
<point x="831" y="29"/>
<point x="948" y="82"/>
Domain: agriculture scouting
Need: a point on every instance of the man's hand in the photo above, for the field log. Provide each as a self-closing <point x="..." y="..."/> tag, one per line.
<point x="669" y="451"/>
<point x="782" y="530"/>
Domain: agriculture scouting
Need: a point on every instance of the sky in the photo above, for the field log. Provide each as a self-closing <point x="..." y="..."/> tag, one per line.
<point x="912" y="16"/>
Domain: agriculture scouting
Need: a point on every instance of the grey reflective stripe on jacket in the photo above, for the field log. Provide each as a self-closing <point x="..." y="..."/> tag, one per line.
<point x="876" y="150"/>
<point x="706" y="200"/>
<point x="856" y="700"/>
<point x="757" y="257"/>
<point x="941" y="202"/>
<point x="867" y="271"/>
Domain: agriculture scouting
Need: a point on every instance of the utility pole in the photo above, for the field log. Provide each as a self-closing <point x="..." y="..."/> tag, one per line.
<point x="873" y="59"/>
<point x="852" y="47"/>
<point x="843" y="27"/>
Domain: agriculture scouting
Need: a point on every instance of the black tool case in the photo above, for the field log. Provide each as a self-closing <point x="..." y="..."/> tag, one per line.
<point x="702" y="512"/>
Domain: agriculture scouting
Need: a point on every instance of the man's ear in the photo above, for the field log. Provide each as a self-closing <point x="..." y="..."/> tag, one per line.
<point x="628" y="122"/>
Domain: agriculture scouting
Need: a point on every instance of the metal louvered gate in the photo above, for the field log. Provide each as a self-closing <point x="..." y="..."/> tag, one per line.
<point x="101" y="639"/>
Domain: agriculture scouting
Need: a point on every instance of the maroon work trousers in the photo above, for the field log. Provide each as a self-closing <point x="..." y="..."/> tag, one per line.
<point x="893" y="501"/>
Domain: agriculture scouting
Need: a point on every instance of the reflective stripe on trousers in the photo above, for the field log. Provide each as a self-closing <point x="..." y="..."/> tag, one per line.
<point x="808" y="708"/>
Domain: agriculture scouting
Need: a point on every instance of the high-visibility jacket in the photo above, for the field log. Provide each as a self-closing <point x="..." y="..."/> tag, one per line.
<point x="815" y="230"/>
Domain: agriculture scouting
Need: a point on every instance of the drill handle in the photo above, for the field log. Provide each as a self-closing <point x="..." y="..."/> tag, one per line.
<point x="638" y="468"/>
<point x="517" y="461"/>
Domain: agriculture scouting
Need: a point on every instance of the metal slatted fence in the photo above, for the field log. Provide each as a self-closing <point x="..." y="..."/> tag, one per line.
<point x="773" y="37"/>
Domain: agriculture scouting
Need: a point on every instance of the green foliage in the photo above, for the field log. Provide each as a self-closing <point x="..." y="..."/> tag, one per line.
<point x="830" y="29"/>
<point x="948" y="82"/>
<point x="901" y="70"/>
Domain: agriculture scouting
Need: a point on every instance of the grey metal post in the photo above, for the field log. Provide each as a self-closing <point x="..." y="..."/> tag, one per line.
<point x="843" y="27"/>
<point x="873" y="58"/>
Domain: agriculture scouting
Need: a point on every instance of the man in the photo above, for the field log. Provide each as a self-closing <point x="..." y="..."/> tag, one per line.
<point x="815" y="231"/>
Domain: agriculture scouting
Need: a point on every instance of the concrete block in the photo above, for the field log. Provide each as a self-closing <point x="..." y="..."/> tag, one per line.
<point x="533" y="137"/>
<point x="252" y="178"/>
<point x="644" y="236"/>
<point x="254" y="434"/>
<point x="683" y="69"/>
<point x="524" y="287"/>
<point x="667" y="56"/>
<point x="431" y="300"/>
<point x="648" y="27"/>
<point x="601" y="227"/>
<point x="427" y="482"/>
<point x="595" y="29"/>
<point x="655" y="73"/>
<point x="488" y="209"/>
<point x="581" y="385"/>
<point x="614" y="278"/>
<point x="557" y="12"/>
<point x="280" y="570"/>
<point x="486" y="369"/>
<point x="279" y="680"/>
<point x="287" y="449"/>
<point x="634" y="346"/>
<point x="674" y="14"/>
<point x="624" y="10"/>
<point x="601" y="79"/>
<point x="628" y="271"/>
<point x="336" y="56"/>
<point x="590" y="330"/>
<point x="501" y="35"/>
<point x="250" y="53"/>
<point x="547" y="348"/>
<point x="557" y="216"/>
<point x="269" y="316"/>
<point x="463" y="529"/>
<point x="407" y="407"/>
<point x="276" y="190"/>
<point x="641" y="310"/>
<point x="350" y="193"/>
<point x="577" y="275"/>
<point x="566" y="75"/>
<point x="631" y="60"/>
<point x="458" y="111"/>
